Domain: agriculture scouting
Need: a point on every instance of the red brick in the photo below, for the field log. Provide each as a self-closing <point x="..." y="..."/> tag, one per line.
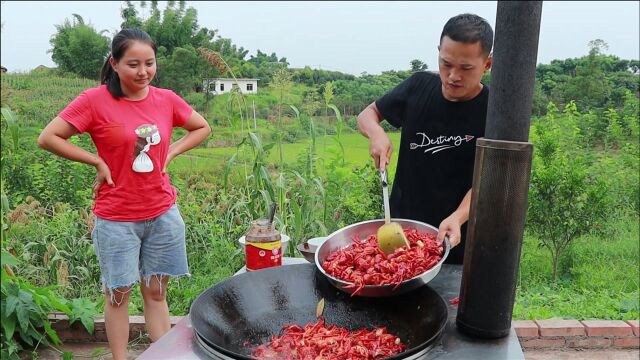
<point x="542" y="343"/>
<point x="590" y="342"/>
<point x="555" y="327"/>
<point x="607" y="328"/>
<point x="136" y="319"/>
<point x="525" y="328"/>
<point x="56" y="316"/>
<point x="72" y="334"/>
<point x="629" y="342"/>
<point x="98" y="324"/>
<point x="100" y="336"/>
<point x="634" y="326"/>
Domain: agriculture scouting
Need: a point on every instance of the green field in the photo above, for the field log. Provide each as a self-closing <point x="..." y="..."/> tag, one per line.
<point x="212" y="160"/>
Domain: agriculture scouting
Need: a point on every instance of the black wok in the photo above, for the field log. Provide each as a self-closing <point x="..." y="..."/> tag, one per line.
<point x="250" y="307"/>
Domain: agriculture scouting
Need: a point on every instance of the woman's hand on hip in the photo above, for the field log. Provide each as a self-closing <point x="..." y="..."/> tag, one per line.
<point x="103" y="174"/>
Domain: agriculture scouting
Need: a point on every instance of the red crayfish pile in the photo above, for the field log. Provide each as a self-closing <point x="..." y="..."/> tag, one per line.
<point x="363" y="263"/>
<point x="319" y="341"/>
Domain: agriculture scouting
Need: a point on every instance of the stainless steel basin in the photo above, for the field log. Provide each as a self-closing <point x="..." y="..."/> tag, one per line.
<point x="344" y="237"/>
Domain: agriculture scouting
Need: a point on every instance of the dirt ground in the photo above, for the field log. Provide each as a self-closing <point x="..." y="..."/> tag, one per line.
<point x="94" y="351"/>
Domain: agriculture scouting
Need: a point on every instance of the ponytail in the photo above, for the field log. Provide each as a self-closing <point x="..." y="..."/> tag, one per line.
<point x="110" y="78"/>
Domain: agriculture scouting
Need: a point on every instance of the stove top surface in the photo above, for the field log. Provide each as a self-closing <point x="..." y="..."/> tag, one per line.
<point x="181" y="342"/>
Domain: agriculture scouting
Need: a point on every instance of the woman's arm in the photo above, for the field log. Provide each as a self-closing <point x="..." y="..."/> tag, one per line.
<point x="54" y="138"/>
<point x="198" y="130"/>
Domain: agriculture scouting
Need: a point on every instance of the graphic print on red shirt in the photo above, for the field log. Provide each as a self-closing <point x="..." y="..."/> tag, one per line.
<point x="148" y="135"/>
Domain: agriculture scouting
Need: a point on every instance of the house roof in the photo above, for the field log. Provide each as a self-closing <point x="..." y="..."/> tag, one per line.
<point x="231" y="79"/>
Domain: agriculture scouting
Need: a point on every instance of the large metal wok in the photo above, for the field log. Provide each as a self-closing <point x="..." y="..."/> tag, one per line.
<point x="249" y="308"/>
<point x="344" y="237"/>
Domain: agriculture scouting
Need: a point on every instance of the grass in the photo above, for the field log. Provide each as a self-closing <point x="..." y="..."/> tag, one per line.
<point x="212" y="160"/>
<point x="600" y="279"/>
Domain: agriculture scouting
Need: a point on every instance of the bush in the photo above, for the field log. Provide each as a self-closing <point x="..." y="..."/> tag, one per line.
<point x="564" y="201"/>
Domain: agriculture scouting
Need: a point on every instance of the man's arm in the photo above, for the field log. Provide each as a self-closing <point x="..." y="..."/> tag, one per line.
<point x="380" y="147"/>
<point x="451" y="225"/>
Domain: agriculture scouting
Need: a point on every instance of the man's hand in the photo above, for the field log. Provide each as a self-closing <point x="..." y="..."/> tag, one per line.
<point x="451" y="227"/>
<point x="380" y="149"/>
<point x="103" y="174"/>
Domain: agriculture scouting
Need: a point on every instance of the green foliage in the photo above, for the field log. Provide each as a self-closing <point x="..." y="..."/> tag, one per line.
<point x="25" y="310"/>
<point x="593" y="81"/>
<point x="354" y="95"/>
<point x="565" y="200"/>
<point x="265" y="66"/>
<point x="418" y="65"/>
<point x="79" y="48"/>
<point x="600" y="281"/>
<point x="54" y="247"/>
<point x="35" y="99"/>
<point x="312" y="77"/>
<point x="181" y="71"/>
<point x="281" y="83"/>
<point x="48" y="178"/>
<point x="327" y="94"/>
<point x="11" y="122"/>
<point x="83" y="310"/>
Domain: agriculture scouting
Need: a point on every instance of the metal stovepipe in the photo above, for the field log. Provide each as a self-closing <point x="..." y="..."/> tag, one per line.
<point x="501" y="177"/>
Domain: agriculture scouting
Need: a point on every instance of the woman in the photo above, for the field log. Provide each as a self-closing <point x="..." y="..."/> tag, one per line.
<point x="139" y="234"/>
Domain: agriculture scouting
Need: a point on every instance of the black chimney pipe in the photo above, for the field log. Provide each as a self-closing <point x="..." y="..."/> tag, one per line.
<point x="501" y="177"/>
<point x="514" y="70"/>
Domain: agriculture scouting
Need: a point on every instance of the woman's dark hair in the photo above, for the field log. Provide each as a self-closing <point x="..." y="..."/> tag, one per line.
<point x="121" y="42"/>
<point x="469" y="29"/>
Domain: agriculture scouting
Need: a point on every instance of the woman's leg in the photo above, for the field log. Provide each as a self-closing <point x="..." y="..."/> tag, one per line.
<point x="116" y="321"/>
<point x="163" y="253"/>
<point x="156" y="310"/>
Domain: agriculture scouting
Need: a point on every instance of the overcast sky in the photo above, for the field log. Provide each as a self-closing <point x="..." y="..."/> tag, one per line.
<point x="352" y="37"/>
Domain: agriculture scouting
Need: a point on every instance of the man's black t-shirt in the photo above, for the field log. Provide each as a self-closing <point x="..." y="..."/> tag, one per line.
<point x="437" y="150"/>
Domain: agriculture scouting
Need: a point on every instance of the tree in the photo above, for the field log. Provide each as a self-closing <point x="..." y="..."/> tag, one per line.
<point x="181" y="71"/>
<point x="78" y="48"/>
<point x="565" y="200"/>
<point x="590" y="86"/>
<point x="418" y="65"/>
<point x="130" y="16"/>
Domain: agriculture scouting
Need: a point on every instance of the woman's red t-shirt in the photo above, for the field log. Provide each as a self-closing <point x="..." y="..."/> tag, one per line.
<point x="133" y="138"/>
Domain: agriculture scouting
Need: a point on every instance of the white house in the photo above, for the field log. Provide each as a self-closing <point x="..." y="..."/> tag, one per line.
<point x="223" y="85"/>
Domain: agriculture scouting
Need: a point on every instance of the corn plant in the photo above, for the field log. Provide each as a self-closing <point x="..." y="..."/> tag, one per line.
<point x="339" y="128"/>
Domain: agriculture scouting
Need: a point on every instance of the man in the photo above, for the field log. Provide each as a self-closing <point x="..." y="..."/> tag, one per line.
<point x="440" y="119"/>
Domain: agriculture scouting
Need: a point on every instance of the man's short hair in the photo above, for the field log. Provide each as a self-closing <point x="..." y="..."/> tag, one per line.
<point x="469" y="29"/>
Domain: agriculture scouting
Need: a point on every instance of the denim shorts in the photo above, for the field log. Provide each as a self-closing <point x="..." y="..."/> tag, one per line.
<point x="132" y="250"/>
